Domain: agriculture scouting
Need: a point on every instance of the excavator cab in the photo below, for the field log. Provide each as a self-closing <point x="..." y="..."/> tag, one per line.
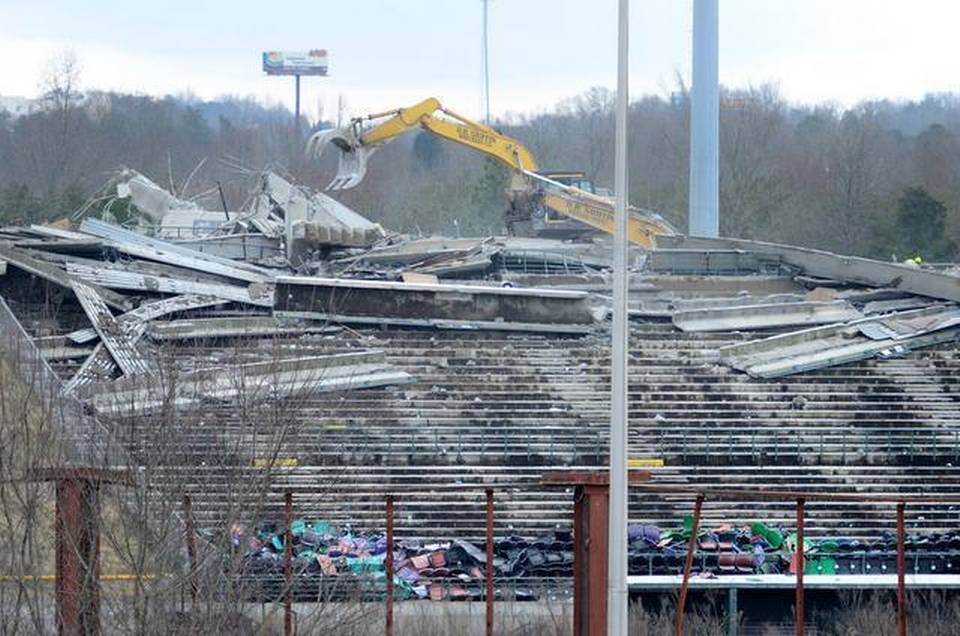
<point x="546" y="222"/>
<point x="570" y="178"/>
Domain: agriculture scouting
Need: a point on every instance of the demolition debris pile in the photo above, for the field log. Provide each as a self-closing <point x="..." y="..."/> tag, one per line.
<point x="439" y="366"/>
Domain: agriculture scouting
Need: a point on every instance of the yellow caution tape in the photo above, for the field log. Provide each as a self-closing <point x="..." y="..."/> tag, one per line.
<point x="268" y="462"/>
<point x="104" y="578"/>
<point x="645" y="462"/>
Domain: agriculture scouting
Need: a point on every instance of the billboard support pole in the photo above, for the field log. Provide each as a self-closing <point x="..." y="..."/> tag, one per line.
<point x="296" y="111"/>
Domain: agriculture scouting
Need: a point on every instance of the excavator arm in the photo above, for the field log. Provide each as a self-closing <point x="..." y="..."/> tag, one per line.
<point x="364" y="135"/>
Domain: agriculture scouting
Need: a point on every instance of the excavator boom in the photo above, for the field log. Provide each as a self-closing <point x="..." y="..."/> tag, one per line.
<point x="364" y="135"/>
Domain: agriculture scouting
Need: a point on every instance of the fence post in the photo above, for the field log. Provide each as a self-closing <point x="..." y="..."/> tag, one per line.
<point x="288" y="564"/>
<point x="489" y="569"/>
<point x="691" y="547"/>
<point x="389" y="566"/>
<point x="800" y="609"/>
<point x="77" y="548"/>
<point x="732" y="612"/>
<point x="901" y="572"/>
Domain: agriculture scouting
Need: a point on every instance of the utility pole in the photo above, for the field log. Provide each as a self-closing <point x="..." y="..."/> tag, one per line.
<point x="617" y="526"/>
<point x="485" y="96"/>
<point x="705" y="122"/>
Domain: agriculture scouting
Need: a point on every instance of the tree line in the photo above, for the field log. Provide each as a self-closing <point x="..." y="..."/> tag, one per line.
<point x="878" y="179"/>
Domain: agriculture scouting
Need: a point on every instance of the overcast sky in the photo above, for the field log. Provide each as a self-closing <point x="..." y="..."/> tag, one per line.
<point x="387" y="53"/>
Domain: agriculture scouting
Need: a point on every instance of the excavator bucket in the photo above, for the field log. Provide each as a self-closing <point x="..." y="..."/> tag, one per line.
<point x="353" y="155"/>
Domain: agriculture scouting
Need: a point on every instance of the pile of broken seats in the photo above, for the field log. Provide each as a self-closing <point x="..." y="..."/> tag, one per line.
<point x="762" y="548"/>
<point x="333" y="563"/>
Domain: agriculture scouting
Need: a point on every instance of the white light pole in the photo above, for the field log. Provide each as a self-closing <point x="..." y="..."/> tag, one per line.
<point x="705" y="122"/>
<point x="485" y="98"/>
<point x="617" y="539"/>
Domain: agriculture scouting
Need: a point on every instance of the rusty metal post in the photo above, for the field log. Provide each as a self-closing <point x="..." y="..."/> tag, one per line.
<point x="78" y="556"/>
<point x="578" y="511"/>
<point x="590" y="539"/>
<point x="590" y="574"/>
<point x="191" y="547"/>
<point x="288" y="564"/>
<point x="388" y="628"/>
<point x="901" y="572"/>
<point x="489" y="569"/>
<point x="77" y="526"/>
<point x="801" y="565"/>
<point x="688" y="565"/>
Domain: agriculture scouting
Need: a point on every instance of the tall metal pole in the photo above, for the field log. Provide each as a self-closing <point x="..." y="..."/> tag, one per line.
<point x="705" y="122"/>
<point x="485" y="104"/>
<point x="296" y="112"/>
<point x="617" y="528"/>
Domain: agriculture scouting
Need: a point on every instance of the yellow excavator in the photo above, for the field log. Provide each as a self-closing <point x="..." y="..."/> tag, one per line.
<point x="541" y="197"/>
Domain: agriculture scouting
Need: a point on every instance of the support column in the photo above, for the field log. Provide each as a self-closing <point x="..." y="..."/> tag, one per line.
<point x="590" y="539"/>
<point x="590" y="536"/>
<point x="78" y="557"/>
<point x="78" y="545"/>
<point x="733" y="619"/>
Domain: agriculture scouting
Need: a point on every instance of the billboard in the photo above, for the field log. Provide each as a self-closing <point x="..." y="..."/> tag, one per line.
<point x="295" y="63"/>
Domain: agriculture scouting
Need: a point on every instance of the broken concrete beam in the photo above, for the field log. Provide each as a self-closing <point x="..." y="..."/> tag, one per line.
<point x="407" y="303"/>
<point x="152" y="200"/>
<point x="23" y="260"/>
<point x="232" y="327"/>
<point x="701" y="262"/>
<point x="255" y="294"/>
<point x="849" y="269"/>
<point x="764" y="316"/>
<point x="152" y="249"/>
<point x="247" y="247"/>
<point x="314" y="219"/>
<point x="65" y="353"/>
<point x="821" y="347"/>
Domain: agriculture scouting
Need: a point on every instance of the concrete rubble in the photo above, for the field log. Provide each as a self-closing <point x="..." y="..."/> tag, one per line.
<point x="182" y="272"/>
<point x="441" y="366"/>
